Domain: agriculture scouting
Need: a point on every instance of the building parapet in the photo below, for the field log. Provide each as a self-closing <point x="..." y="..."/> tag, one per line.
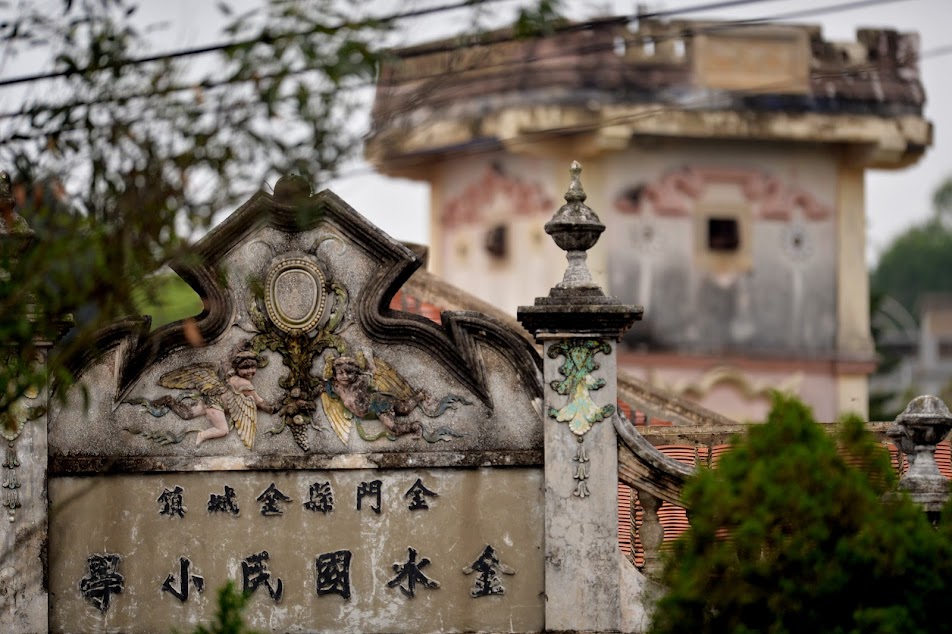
<point x="677" y="78"/>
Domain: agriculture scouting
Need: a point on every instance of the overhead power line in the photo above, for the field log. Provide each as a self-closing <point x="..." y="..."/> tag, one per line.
<point x="709" y="6"/>
<point x="833" y="8"/>
<point x="224" y="46"/>
<point x="546" y="135"/>
<point x="714" y="26"/>
<point x="441" y="80"/>
<point x="404" y="15"/>
<point x="445" y="79"/>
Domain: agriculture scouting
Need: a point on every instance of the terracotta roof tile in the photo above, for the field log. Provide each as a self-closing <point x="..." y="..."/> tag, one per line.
<point x="943" y="458"/>
<point x="408" y="304"/>
<point x="627" y="411"/>
<point x="674" y="519"/>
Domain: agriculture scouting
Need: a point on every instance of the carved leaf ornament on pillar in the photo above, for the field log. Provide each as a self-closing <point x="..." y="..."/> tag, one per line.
<point x="580" y="412"/>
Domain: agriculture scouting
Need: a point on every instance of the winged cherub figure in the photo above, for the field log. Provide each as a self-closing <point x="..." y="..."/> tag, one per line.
<point x="375" y="391"/>
<point x="372" y="389"/>
<point x="223" y="399"/>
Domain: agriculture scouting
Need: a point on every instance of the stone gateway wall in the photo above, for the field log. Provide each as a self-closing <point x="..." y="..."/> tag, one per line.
<point x="347" y="466"/>
<point x="353" y="468"/>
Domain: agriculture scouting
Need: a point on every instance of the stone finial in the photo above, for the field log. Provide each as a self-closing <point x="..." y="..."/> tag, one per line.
<point x="577" y="304"/>
<point x="575" y="228"/>
<point x="924" y="423"/>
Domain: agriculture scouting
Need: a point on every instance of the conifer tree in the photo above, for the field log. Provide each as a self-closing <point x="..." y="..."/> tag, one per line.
<point x="798" y="531"/>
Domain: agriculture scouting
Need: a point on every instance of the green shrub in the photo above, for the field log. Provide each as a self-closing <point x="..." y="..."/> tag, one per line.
<point x="793" y="532"/>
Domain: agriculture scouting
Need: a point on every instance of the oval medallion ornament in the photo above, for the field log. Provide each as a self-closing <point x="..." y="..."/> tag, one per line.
<point x="294" y="295"/>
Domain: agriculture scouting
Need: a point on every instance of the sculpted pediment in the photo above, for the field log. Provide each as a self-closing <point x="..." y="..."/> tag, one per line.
<point x="297" y="354"/>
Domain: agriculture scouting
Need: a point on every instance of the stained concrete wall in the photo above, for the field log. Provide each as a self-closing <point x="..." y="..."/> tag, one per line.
<point x="479" y="194"/>
<point x="474" y="508"/>
<point x="788" y="294"/>
<point x="782" y="299"/>
<point x="777" y="296"/>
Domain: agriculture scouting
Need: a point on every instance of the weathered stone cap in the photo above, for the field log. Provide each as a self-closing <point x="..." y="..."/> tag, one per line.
<point x="597" y="320"/>
<point x="926" y="421"/>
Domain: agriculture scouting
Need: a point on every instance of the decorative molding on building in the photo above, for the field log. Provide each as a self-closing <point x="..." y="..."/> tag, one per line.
<point x="454" y="344"/>
<point x="468" y="207"/>
<point x="748" y="386"/>
<point x="676" y="193"/>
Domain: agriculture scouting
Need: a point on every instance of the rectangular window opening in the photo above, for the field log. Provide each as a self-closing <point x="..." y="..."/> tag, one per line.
<point x="723" y="234"/>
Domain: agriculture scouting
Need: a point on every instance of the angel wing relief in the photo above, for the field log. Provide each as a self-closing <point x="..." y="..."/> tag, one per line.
<point x="227" y="399"/>
<point x="298" y="314"/>
<point x="367" y="389"/>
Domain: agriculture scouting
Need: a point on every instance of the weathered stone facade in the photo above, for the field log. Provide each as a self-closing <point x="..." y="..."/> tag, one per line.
<point x="386" y="473"/>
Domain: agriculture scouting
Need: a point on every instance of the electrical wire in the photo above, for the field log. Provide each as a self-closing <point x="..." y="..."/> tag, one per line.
<point x="383" y="20"/>
<point x="443" y="80"/>
<point x="549" y="133"/>
<point x="225" y="46"/>
<point x="569" y="130"/>
<point x="684" y="34"/>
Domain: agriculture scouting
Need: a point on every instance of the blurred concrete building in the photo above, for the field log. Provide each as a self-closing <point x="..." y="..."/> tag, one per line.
<point x="727" y="162"/>
<point x="917" y="357"/>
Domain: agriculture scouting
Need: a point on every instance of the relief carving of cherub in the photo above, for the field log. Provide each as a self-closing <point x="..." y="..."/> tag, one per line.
<point x="373" y="390"/>
<point x="223" y="398"/>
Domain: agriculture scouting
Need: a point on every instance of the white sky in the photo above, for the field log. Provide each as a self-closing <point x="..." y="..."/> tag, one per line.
<point x="895" y="199"/>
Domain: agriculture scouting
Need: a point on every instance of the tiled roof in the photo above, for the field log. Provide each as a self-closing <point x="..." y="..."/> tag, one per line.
<point x="409" y="304"/>
<point x="674" y="519"/>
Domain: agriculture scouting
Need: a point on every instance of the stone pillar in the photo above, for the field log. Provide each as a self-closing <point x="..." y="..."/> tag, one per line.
<point x="24" y="595"/>
<point x="853" y="335"/>
<point x="651" y="533"/>
<point x="924" y="423"/>
<point x="579" y="328"/>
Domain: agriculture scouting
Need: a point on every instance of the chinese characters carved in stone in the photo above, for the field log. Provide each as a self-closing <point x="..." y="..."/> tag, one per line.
<point x="418" y="494"/>
<point x="223" y="503"/>
<point x="333" y="573"/>
<point x="488" y="567"/>
<point x="179" y="590"/>
<point x="371" y="489"/>
<point x="171" y="502"/>
<point x="269" y="499"/>
<point x="255" y="573"/>
<point x="103" y="580"/>
<point x="410" y="574"/>
<point x="320" y="498"/>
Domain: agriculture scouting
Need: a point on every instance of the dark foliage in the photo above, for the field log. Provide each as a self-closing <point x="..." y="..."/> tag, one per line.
<point x="796" y="531"/>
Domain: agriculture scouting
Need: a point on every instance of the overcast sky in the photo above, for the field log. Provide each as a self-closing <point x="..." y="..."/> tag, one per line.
<point x="895" y="199"/>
